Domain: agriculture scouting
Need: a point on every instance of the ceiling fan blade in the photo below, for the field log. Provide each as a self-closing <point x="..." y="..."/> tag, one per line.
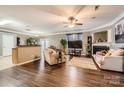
<point x="78" y="24"/>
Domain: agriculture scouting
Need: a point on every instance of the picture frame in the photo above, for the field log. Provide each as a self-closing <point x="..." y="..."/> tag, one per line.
<point x="119" y="32"/>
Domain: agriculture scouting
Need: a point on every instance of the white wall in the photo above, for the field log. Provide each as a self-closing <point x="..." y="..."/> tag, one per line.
<point x="23" y="39"/>
<point x="55" y="40"/>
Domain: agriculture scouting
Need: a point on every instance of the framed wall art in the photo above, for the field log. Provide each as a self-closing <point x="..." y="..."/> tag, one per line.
<point x="119" y="32"/>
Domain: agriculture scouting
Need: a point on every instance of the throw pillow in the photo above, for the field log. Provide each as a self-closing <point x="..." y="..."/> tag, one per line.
<point x="108" y="54"/>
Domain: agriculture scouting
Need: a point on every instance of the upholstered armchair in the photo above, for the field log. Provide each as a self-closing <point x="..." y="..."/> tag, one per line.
<point x="52" y="57"/>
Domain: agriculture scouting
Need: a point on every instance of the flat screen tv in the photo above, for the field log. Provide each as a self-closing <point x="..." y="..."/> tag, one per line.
<point x="74" y="44"/>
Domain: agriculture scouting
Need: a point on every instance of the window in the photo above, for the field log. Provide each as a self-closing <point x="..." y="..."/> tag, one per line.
<point x="74" y="37"/>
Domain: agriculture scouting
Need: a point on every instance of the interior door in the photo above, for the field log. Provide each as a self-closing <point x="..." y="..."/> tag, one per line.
<point x="8" y="44"/>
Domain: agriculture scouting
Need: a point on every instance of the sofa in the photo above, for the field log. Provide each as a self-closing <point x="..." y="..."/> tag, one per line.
<point x="52" y="56"/>
<point x="112" y="60"/>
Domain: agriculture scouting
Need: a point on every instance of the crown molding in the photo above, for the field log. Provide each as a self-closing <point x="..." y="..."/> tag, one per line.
<point x="13" y="31"/>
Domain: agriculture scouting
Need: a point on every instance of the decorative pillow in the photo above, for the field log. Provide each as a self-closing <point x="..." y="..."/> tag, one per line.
<point x="118" y="52"/>
<point x="109" y="53"/>
<point x="104" y="52"/>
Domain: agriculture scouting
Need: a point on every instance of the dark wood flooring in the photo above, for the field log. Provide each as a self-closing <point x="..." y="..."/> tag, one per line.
<point x="38" y="74"/>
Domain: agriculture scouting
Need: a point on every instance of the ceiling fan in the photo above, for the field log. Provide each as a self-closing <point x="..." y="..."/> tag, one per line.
<point x="72" y="22"/>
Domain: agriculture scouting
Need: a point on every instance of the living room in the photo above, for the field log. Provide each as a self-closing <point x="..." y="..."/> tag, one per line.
<point x="79" y="45"/>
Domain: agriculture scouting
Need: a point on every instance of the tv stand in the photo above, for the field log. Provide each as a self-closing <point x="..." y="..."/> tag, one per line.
<point x="75" y="51"/>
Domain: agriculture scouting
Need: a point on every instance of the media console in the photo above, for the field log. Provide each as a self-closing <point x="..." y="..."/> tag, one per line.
<point x="75" y="51"/>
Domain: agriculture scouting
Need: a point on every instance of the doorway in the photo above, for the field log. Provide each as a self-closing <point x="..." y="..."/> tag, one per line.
<point x="7" y="43"/>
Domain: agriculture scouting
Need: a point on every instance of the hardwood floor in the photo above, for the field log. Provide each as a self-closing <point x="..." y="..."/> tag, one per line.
<point x="38" y="74"/>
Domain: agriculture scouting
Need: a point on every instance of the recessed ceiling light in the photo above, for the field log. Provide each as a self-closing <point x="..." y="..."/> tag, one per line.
<point x="4" y="22"/>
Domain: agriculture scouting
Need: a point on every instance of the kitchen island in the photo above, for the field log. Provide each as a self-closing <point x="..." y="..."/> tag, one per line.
<point x="24" y="54"/>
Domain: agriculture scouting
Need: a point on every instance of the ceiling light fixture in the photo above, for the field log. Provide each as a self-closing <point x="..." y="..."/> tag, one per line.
<point x="4" y="22"/>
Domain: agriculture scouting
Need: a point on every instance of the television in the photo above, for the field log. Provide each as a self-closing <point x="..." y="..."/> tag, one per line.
<point x="75" y="44"/>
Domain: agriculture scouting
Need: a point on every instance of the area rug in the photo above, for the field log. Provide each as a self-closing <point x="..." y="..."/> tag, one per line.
<point x="82" y="62"/>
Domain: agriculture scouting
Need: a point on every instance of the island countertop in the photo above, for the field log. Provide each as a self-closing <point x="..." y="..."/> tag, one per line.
<point x="29" y="46"/>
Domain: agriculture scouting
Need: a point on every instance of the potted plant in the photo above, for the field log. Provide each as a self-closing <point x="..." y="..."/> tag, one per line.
<point x="63" y="43"/>
<point x="89" y="51"/>
<point x="29" y="41"/>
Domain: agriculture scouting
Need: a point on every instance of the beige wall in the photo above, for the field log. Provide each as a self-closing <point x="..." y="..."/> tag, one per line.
<point x="55" y="40"/>
<point x="101" y="35"/>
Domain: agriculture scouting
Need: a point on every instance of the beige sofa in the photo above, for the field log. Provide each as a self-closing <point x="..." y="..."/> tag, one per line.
<point x="52" y="57"/>
<point x="114" y="62"/>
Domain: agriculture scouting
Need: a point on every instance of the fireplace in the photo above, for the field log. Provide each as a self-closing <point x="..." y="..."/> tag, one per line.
<point x="99" y="48"/>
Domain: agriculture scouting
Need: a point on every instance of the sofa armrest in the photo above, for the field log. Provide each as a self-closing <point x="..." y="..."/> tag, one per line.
<point x="113" y="58"/>
<point x="113" y="63"/>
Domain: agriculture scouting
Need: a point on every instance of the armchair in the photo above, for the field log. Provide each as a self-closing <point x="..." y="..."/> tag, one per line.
<point x="52" y="57"/>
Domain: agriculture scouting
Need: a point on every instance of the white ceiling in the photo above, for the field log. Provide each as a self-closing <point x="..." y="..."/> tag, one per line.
<point x="48" y="19"/>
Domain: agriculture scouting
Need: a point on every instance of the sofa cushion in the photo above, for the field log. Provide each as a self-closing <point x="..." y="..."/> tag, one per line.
<point x="109" y="53"/>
